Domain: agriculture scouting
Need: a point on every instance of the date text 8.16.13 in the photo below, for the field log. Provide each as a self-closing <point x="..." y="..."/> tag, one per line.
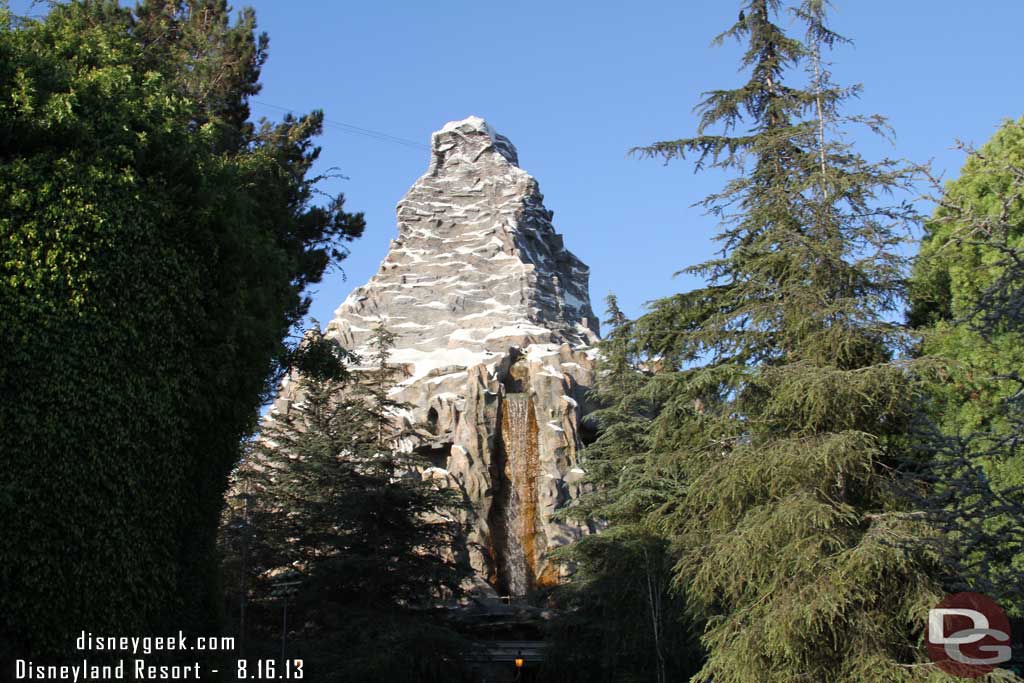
<point x="269" y="669"/>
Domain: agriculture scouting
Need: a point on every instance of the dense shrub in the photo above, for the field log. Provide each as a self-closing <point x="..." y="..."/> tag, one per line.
<point x="148" y="278"/>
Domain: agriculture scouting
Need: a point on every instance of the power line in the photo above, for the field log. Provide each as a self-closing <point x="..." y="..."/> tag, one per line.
<point x="357" y="130"/>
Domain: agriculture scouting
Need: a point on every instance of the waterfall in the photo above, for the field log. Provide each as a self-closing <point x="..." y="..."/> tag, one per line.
<point x="519" y="519"/>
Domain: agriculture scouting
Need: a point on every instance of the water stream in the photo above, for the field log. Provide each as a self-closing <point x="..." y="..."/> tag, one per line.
<point x="517" y="558"/>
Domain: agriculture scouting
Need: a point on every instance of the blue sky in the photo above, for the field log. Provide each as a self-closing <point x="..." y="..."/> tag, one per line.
<point x="575" y="84"/>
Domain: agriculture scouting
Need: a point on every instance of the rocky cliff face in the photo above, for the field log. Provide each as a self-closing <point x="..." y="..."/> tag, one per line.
<point x="494" y="342"/>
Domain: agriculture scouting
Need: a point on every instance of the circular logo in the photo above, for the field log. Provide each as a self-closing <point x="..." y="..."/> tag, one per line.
<point x="968" y="635"/>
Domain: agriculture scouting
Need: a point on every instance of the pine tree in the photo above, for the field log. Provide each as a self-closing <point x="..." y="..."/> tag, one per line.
<point x="380" y="377"/>
<point x="620" y="602"/>
<point x="210" y="61"/>
<point x="622" y="418"/>
<point x="369" y="537"/>
<point x="783" y="400"/>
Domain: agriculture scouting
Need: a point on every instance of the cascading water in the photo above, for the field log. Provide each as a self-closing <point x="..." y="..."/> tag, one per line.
<point x="519" y="511"/>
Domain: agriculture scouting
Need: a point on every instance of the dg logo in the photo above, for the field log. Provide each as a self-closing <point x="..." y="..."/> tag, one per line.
<point x="968" y="635"/>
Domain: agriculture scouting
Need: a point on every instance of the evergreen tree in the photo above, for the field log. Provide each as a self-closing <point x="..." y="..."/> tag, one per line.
<point x="964" y="252"/>
<point x="368" y="536"/>
<point x="782" y="400"/>
<point x="620" y="619"/>
<point x="380" y="381"/>
<point x="966" y="301"/>
<point x="209" y="60"/>
<point x="622" y="417"/>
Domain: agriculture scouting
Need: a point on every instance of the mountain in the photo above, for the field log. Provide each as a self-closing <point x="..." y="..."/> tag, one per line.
<point x="495" y="347"/>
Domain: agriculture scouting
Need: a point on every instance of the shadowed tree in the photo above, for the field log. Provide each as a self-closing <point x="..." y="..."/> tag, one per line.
<point x="364" y="531"/>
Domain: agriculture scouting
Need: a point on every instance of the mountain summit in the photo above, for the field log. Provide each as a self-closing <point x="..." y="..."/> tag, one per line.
<point x="476" y="262"/>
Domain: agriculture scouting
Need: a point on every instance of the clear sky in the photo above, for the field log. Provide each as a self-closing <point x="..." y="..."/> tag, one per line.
<point x="575" y="84"/>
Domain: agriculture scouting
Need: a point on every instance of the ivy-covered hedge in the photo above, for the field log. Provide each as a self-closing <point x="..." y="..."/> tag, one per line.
<point x="147" y="280"/>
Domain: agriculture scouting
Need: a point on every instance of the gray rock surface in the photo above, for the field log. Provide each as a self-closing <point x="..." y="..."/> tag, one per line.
<point x="495" y="338"/>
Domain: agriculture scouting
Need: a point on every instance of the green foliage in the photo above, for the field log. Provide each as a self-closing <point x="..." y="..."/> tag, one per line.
<point x="775" y="403"/>
<point x="619" y="619"/>
<point x="330" y="499"/>
<point x="966" y="303"/>
<point x="147" y="281"/>
<point x="207" y="60"/>
<point x="954" y="274"/>
<point x="622" y="417"/>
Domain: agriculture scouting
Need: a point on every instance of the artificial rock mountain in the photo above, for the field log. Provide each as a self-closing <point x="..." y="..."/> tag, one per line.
<point x="494" y="349"/>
